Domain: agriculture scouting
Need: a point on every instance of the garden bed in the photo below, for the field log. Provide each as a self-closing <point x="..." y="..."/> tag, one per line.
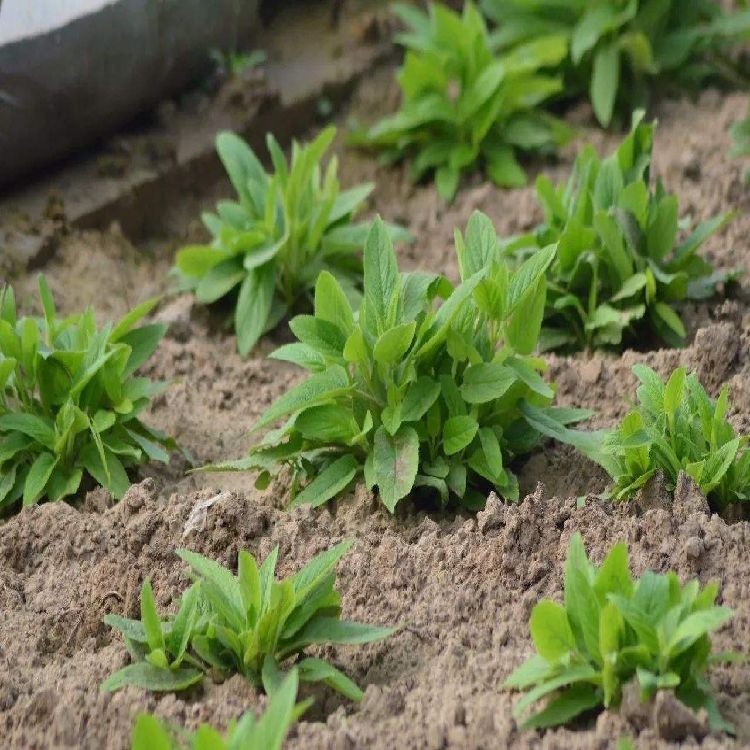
<point x="462" y="586"/>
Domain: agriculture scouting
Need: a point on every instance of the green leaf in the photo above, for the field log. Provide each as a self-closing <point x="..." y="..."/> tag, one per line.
<point x="251" y="316"/>
<point x="329" y="483"/>
<point x="225" y="584"/>
<point x="605" y="81"/>
<point x="396" y="461"/>
<point x="458" y="432"/>
<point x="551" y="631"/>
<point x="271" y="729"/>
<point x="315" y="390"/>
<point x="568" y="705"/>
<point x="580" y="601"/>
<point x="393" y="344"/>
<point x="525" y="279"/>
<point x="317" y="670"/>
<point x="219" y="280"/>
<point x="143" y="342"/>
<point x="331" y="304"/>
<point x="486" y="382"/>
<point x="29" y="424"/>
<point x="38" y="476"/>
<point x="380" y="274"/>
<point x="421" y="395"/>
<point x="148" y="677"/>
<point x="148" y="734"/>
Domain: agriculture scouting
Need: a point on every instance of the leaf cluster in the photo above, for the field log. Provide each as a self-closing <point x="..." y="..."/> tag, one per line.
<point x="619" y="49"/>
<point x="676" y="427"/>
<point x="265" y="733"/>
<point x="620" y="265"/>
<point x="247" y="624"/>
<point x="412" y="394"/>
<point x="613" y="629"/>
<point x="70" y="401"/>
<point x="462" y="106"/>
<point x="269" y="245"/>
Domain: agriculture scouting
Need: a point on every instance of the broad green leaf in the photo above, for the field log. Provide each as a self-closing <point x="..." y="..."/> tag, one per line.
<point x="551" y="631"/>
<point x="148" y="677"/>
<point x="393" y="344"/>
<point x="458" y="432"/>
<point x="571" y="702"/>
<point x="329" y="483"/>
<point x="254" y="303"/>
<point x="396" y="461"/>
<point x="315" y="390"/>
<point x="317" y="670"/>
<point x="605" y="81"/>
<point x="486" y="382"/>
<point x="38" y="476"/>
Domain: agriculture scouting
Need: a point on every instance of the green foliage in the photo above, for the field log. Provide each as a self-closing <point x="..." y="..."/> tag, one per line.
<point x="266" y="733"/>
<point x="620" y="266"/>
<point x="272" y="242"/>
<point x="619" y="49"/>
<point x="677" y="427"/>
<point x="69" y="401"/>
<point x="463" y="106"/>
<point x="613" y="629"/>
<point x="411" y="395"/>
<point x="233" y="64"/>
<point x="248" y="624"/>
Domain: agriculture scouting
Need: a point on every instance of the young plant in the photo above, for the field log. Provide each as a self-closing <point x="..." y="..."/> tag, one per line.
<point x="272" y="242"/>
<point x="620" y="49"/>
<point x="248" y="624"/>
<point x="266" y="733"/>
<point x="462" y="106"/>
<point x="620" y="267"/>
<point x="613" y="629"/>
<point x="677" y="427"/>
<point x="411" y="396"/>
<point x="70" y="402"/>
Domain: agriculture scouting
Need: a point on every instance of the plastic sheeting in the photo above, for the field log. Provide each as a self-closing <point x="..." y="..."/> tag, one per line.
<point x="74" y="70"/>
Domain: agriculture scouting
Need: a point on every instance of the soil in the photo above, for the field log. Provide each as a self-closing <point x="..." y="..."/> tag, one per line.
<point x="461" y="586"/>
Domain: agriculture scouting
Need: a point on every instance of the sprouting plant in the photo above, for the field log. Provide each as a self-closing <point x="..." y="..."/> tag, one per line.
<point x="620" y="49"/>
<point x="410" y="395"/>
<point x="265" y="733"/>
<point x="272" y="242"/>
<point x="613" y="629"/>
<point x="620" y="267"/>
<point x="248" y="624"/>
<point x="462" y="106"/>
<point x="740" y="133"/>
<point x="70" y="401"/>
<point x="677" y="427"/>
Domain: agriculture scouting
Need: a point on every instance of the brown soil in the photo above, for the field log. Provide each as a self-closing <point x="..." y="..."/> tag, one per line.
<point x="461" y="586"/>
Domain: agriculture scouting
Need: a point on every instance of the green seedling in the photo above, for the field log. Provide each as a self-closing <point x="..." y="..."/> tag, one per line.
<point x="620" y="267"/>
<point x="612" y="630"/>
<point x="462" y="106"/>
<point x="265" y="733"/>
<point x="70" y="401"/>
<point x="411" y="395"/>
<point x="248" y="624"/>
<point x="272" y="242"/>
<point x="619" y="50"/>
<point x="677" y="427"/>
